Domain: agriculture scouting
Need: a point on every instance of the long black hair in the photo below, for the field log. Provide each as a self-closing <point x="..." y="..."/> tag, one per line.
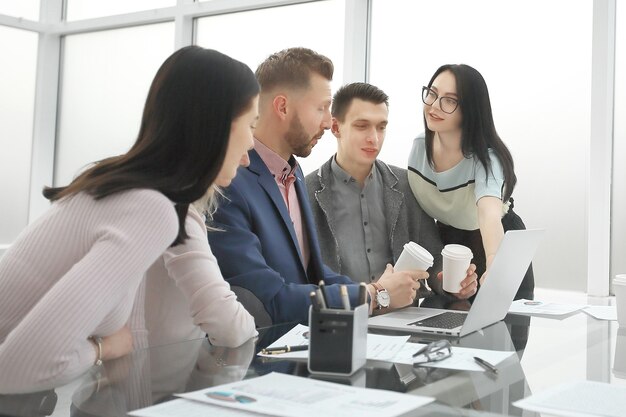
<point x="478" y="131"/>
<point x="184" y="133"/>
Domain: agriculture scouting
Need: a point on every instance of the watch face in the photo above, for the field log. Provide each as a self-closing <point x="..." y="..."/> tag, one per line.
<point x="382" y="298"/>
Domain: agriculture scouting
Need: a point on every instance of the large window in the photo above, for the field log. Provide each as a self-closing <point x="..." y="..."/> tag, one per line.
<point x="254" y="35"/>
<point x="17" y="84"/>
<point x="87" y="9"/>
<point x="535" y="55"/>
<point x="27" y="9"/>
<point x="104" y="82"/>
<point x="538" y="69"/>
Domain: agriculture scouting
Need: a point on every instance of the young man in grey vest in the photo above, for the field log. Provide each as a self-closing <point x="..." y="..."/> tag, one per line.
<point x="363" y="208"/>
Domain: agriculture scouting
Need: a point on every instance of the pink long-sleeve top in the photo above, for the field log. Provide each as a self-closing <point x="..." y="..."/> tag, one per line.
<point x="186" y="295"/>
<point x="73" y="274"/>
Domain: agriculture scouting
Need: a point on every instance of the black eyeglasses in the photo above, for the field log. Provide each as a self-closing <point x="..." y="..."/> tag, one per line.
<point x="433" y="352"/>
<point x="447" y="104"/>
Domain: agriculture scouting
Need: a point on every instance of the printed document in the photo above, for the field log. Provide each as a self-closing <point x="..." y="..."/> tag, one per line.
<point x="536" y="307"/>
<point x="187" y="408"/>
<point x="284" y="395"/>
<point x="577" y="399"/>
<point x="461" y="358"/>
<point x="395" y="349"/>
<point x="379" y="347"/>
<point x="602" y="312"/>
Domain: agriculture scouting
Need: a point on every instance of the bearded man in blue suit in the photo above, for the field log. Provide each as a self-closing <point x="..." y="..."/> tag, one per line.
<point x="268" y="244"/>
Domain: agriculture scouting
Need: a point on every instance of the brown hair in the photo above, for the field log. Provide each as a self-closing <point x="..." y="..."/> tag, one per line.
<point x="184" y="132"/>
<point x="345" y="95"/>
<point x="292" y="68"/>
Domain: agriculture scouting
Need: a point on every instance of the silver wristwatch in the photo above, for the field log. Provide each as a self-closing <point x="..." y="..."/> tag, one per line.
<point x="382" y="296"/>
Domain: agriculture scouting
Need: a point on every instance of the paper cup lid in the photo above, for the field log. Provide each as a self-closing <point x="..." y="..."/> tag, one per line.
<point x="457" y="251"/>
<point x="419" y="252"/>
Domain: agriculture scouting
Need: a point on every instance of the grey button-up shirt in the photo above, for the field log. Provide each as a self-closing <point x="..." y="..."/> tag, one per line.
<point x="405" y="219"/>
<point x="360" y="220"/>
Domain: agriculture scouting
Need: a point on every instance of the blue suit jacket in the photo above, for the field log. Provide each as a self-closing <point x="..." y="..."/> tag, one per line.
<point x="258" y="249"/>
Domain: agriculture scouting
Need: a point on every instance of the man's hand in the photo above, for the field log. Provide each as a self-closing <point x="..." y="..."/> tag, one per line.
<point x="469" y="285"/>
<point x="401" y="286"/>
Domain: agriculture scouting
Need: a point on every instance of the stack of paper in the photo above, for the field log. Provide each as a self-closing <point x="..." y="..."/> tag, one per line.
<point x="287" y="395"/>
<point x="575" y="399"/>
<point x="395" y="349"/>
<point x="535" y="307"/>
<point x="602" y="312"/>
<point x="461" y="359"/>
<point x="379" y="347"/>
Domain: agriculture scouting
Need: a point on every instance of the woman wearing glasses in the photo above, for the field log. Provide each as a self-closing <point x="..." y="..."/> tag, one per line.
<point x="461" y="172"/>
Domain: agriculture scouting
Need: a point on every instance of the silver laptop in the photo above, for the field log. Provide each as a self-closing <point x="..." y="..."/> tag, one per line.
<point x="492" y="302"/>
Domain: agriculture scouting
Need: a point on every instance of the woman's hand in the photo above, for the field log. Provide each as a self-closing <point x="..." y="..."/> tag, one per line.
<point x="117" y="345"/>
<point x="469" y="285"/>
<point x="483" y="278"/>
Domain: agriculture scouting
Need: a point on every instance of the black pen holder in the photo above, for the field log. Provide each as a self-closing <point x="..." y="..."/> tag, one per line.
<point x="337" y="340"/>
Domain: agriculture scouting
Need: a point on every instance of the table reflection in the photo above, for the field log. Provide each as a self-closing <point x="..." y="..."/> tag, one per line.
<point x="546" y="349"/>
<point x="151" y="376"/>
<point x="31" y="405"/>
<point x="619" y="361"/>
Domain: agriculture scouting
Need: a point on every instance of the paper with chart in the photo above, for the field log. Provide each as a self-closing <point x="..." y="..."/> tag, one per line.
<point x="576" y="399"/>
<point x="287" y="395"/>
<point x="540" y="308"/>
<point x="188" y="408"/>
<point x="379" y="347"/>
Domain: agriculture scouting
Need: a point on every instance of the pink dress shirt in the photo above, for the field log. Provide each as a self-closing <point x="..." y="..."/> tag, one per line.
<point x="284" y="175"/>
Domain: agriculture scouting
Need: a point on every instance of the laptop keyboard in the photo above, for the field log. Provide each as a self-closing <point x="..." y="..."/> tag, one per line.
<point x="447" y="320"/>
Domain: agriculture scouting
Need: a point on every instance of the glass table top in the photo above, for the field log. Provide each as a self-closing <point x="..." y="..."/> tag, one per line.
<point x="548" y="352"/>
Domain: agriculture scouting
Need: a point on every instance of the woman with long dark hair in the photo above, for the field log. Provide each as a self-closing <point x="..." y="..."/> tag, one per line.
<point x="461" y="172"/>
<point x="69" y="282"/>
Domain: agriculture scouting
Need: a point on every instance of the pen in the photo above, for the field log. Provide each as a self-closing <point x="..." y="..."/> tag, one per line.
<point x="486" y="365"/>
<point x="314" y="302"/>
<point x="419" y="352"/>
<point x="362" y="293"/>
<point x="320" y="299"/>
<point x="322" y="287"/>
<point x="283" y="349"/>
<point x="344" y="297"/>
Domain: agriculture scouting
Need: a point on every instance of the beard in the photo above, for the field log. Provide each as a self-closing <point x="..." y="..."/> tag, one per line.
<point x="300" y="142"/>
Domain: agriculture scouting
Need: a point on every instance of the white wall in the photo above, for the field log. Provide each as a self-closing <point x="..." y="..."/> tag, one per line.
<point x="618" y="209"/>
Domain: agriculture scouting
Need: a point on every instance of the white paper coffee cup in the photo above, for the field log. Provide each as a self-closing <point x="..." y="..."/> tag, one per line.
<point x="413" y="257"/>
<point x="456" y="260"/>
<point x="619" y="288"/>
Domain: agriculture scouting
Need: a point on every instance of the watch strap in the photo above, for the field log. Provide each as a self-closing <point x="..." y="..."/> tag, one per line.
<point x="379" y="288"/>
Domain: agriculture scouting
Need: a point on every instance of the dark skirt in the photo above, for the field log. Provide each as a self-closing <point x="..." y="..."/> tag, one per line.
<point x="473" y="240"/>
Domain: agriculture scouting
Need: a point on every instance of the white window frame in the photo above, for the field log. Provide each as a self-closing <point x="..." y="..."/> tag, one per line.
<point x="51" y="29"/>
